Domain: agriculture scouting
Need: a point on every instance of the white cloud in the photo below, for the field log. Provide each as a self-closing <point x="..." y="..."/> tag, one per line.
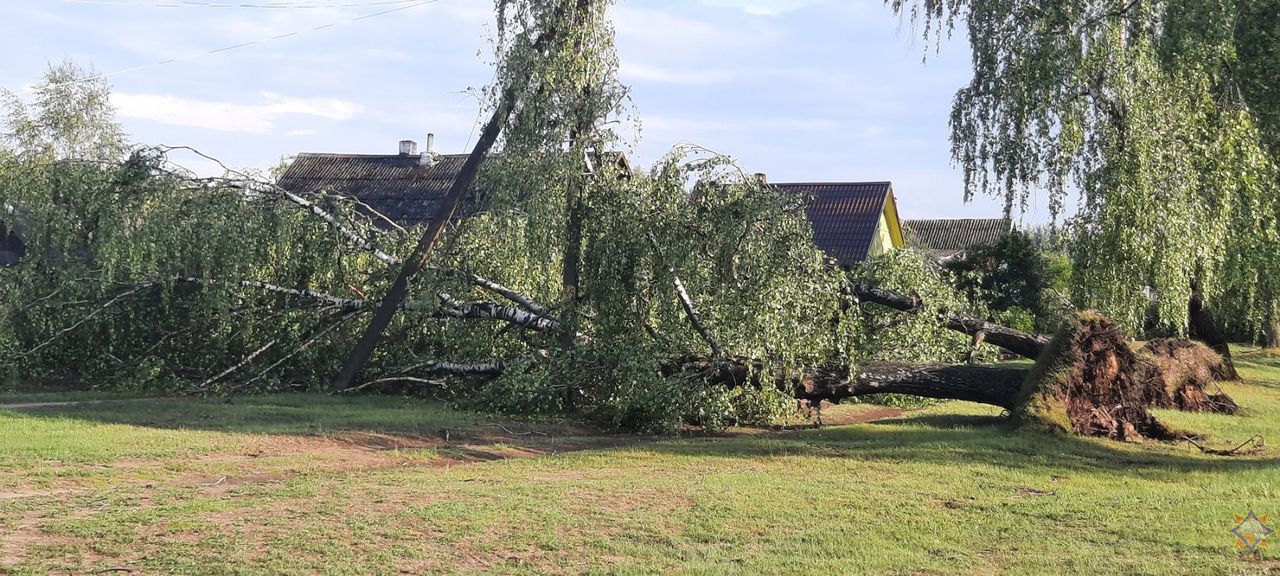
<point x="228" y="117"/>
<point x="763" y="7"/>
<point x="301" y="132"/>
<point x="671" y="76"/>
<point x="697" y="125"/>
<point x="663" y="35"/>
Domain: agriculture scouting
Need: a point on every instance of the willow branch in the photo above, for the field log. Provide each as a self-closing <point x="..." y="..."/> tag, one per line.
<point x="454" y="308"/>
<point x="89" y="316"/>
<point x="687" y="303"/>
<point x="333" y="222"/>
<point x="239" y="365"/>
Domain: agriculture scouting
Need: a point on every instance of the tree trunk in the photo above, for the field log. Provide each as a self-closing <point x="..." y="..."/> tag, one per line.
<point x="444" y="214"/>
<point x="982" y="384"/>
<point x="571" y="277"/>
<point x="1205" y="329"/>
<point x="1016" y="341"/>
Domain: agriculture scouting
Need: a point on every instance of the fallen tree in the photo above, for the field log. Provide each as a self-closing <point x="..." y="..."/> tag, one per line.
<point x="153" y="295"/>
<point x="982" y="384"/>
<point x="1016" y="341"/>
<point x="1088" y="381"/>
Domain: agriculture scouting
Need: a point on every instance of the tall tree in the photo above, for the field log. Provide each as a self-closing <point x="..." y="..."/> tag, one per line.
<point x="1136" y="106"/>
<point x="70" y="116"/>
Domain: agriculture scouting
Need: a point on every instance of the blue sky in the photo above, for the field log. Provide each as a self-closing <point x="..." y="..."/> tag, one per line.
<point x="803" y="90"/>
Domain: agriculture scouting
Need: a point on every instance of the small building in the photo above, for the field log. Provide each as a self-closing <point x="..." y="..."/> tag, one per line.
<point x="403" y="189"/>
<point x="949" y="238"/>
<point x="852" y="221"/>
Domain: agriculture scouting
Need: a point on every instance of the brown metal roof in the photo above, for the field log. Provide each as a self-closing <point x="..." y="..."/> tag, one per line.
<point x="845" y="216"/>
<point x="945" y="238"/>
<point x="397" y="186"/>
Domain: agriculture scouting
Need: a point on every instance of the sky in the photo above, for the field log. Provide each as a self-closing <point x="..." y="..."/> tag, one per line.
<point x="801" y="90"/>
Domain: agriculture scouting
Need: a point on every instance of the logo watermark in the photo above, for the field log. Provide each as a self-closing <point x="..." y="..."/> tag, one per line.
<point x="1251" y="531"/>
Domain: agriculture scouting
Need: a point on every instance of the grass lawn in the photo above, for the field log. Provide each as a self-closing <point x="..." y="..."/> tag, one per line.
<point x="370" y="485"/>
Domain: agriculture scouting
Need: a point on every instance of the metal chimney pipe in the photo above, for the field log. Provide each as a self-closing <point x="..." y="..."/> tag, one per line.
<point x="431" y="142"/>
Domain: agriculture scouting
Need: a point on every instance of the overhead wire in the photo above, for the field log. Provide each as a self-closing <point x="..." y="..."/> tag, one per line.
<point x="417" y="4"/>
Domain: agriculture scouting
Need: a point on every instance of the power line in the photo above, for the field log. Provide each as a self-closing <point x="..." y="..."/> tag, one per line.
<point x="242" y="45"/>
<point x="273" y="5"/>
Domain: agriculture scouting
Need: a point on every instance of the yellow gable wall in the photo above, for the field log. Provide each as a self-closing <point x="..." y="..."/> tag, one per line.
<point x="883" y="242"/>
<point x="889" y="230"/>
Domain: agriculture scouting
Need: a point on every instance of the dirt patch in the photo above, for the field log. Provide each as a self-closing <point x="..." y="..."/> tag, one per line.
<point x="832" y="417"/>
<point x="22" y="405"/>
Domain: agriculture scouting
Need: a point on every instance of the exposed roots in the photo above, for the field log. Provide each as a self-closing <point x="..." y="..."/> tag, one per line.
<point x="1087" y="383"/>
<point x="1178" y="373"/>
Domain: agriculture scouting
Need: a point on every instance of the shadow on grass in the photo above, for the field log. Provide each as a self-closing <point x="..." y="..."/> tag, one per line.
<point x="987" y="440"/>
<point x="282" y="414"/>
<point x="927" y="438"/>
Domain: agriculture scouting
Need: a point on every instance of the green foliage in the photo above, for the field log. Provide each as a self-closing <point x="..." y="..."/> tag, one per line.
<point x="138" y="276"/>
<point x="69" y="118"/>
<point x="1020" y="285"/>
<point x="1157" y="114"/>
<point x="888" y="335"/>
<point x="100" y="298"/>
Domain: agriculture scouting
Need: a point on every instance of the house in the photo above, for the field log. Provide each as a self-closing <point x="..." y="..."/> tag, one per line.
<point x="851" y="221"/>
<point x="947" y="239"/>
<point x="403" y="189"/>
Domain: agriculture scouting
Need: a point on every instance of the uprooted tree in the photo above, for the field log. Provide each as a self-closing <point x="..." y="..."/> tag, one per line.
<point x="692" y="293"/>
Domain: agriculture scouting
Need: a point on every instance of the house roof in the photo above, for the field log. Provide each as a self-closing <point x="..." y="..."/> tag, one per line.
<point x="946" y="238"/>
<point x="397" y="186"/>
<point x="845" y="215"/>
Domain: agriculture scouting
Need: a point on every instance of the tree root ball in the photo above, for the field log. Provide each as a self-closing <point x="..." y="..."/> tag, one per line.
<point x="1088" y="382"/>
<point x="1178" y="374"/>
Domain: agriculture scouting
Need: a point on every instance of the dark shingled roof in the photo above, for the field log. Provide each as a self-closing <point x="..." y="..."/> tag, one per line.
<point x="946" y="238"/>
<point x="845" y="216"/>
<point x="397" y="186"/>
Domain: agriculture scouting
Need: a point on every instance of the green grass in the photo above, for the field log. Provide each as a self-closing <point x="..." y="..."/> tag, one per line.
<point x="948" y="489"/>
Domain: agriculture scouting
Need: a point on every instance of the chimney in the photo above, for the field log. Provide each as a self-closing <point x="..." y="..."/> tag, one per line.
<point x="429" y="156"/>
<point x="408" y="147"/>
<point x="763" y="178"/>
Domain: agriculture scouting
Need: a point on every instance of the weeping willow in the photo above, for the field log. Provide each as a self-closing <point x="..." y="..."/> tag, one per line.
<point x="575" y="284"/>
<point x="1154" y="113"/>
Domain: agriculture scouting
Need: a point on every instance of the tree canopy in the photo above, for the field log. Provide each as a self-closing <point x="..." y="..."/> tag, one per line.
<point x="1157" y="114"/>
<point x="140" y="275"/>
